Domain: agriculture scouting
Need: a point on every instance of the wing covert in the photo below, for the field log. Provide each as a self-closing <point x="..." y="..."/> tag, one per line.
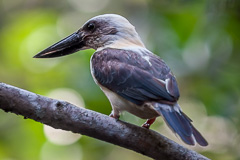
<point x="135" y="81"/>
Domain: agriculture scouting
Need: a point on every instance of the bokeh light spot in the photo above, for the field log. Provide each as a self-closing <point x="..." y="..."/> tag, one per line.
<point x="196" y="55"/>
<point x="50" y="151"/>
<point x="89" y="5"/>
<point x="58" y="136"/>
<point x="67" y="94"/>
<point x="34" y="43"/>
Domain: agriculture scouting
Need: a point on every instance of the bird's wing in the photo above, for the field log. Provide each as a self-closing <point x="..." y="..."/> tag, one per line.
<point x="133" y="78"/>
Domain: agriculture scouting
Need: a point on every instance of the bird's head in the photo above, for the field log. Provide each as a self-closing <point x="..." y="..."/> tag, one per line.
<point x="108" y="30"/>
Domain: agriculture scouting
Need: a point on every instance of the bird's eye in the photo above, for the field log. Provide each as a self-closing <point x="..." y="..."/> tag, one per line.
<point x="90" y="26"/>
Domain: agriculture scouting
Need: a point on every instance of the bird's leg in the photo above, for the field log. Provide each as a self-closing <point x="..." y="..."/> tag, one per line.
<point x="115" y="114"/>
<point x="148" y="123"/>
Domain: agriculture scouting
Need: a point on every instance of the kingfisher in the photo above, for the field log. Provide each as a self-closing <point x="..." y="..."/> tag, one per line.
<point x="132" y="77"/>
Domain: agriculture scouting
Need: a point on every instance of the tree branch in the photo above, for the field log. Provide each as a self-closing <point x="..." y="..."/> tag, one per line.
<point x="63" y="115"/>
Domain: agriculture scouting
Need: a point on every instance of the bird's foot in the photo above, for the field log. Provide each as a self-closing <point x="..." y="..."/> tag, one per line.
<point x="148" y="123"/>
<point x="115" y="116"/>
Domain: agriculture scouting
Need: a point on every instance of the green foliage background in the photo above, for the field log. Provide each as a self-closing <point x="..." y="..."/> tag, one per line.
<point x="200" y="40"/>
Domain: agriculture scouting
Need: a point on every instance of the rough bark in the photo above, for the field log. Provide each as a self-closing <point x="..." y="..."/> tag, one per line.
<point x="63" y="115"/>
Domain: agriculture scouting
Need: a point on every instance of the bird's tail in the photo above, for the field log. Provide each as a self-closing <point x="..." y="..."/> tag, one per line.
<point x="180" y="124"/>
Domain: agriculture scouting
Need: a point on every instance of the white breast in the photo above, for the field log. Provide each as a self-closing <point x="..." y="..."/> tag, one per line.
<point x="120" y="104"/>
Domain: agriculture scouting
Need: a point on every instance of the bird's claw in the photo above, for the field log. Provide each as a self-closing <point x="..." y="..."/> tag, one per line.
<point x="114" y="116"/>
<point x="148" y="123"/>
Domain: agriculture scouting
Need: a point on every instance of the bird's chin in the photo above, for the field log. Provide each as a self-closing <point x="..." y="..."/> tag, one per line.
<point x="66" y="46"/>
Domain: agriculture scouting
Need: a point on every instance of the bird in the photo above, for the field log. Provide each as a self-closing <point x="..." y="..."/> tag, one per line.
<point x="133" y="78"/>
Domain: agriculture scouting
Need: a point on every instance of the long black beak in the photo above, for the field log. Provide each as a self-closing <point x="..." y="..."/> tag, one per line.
<point x="68" y="45"/>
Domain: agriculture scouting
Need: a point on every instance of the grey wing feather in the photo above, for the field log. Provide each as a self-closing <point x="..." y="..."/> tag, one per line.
<point x="132" y="81"/>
